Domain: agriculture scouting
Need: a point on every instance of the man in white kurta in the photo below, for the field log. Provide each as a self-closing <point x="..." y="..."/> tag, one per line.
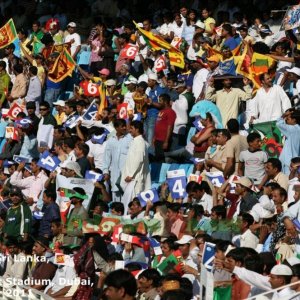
<point x="136" y="167"/>
<point x="270" y="102"/>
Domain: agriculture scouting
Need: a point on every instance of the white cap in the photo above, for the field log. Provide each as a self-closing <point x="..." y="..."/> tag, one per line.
<point x="244" y="181"/>
<point x="71" y="24"/>
<point x="294" y="70"/>
<point x="186" y="239"/>
<point x="281" y="270"/>
<point x="152" y="76"/>
<point x="131" y="79"/>
<point x="59" y="103"/>
<point x="140" y="25"/>
<point x="110" y="82"/>
<point x="74" y="166"/>
<point x="199" y="24"/>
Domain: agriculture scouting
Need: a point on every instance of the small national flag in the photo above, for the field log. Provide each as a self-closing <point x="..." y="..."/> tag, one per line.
<point x="116" y="233"/>
<point x="176" y="42"/>
<point x="68" y="193"/>
<point x="89" y="227"/>
<point x="8" y="33"/>
<point x="37" y="45"/>
<point x="130" y="239"/>
<point x="170" y="264"/>
<point x="107" y="225"/>
<point x="62" y="67"/>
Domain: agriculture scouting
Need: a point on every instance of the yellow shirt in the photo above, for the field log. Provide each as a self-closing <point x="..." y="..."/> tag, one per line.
<point x="60" y="119"/>
<point x="207" y="23"/>
<point x="41" y="71"/>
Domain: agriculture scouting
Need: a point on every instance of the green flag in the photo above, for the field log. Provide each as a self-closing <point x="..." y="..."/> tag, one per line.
<point x="271" y="136"/>
<point x="37" y="45"/>
<point x="222" y="293"/>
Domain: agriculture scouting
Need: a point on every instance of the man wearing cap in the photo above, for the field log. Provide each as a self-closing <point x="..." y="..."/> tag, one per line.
<point x="43" y="270"/>
<point x="246" y="200"/>
<point x="189" y="266"/>
<point x="73" y="231"/>
<point x="71" y="169"/>
<point x="280" y="275"/>
<point x="60" y="115"/>
<point x="199" y="78"/>
<point x="182" y="106"/>
<point x="74" y="39"/>
<point x="130" y="83"/>
<point x="18" y="219"/>
<point x="293" y="77"/>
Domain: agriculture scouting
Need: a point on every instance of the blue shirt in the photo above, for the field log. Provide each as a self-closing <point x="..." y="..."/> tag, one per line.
<point x="231" y="43"/>
<point x="291" y="146"/>
<point x="51" y="212"/>
<point x="154" y="95"/>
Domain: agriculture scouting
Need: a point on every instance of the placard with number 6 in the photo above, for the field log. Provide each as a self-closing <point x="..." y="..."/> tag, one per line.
<point x="176" y="180"/>
<point x="48" y="162"/>
<point x="151" y="195"/>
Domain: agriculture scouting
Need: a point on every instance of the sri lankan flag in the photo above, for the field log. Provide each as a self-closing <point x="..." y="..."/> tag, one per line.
<point x="62" y="67"/>
<point x="156" y="42"/>
<point x="8" y="33"/>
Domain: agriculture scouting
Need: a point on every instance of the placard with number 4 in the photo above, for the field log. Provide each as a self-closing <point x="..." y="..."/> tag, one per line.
<point x="48" y="162"/>
<point x="176" y="180"/>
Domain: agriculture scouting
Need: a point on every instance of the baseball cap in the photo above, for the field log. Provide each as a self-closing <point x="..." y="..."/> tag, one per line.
<point x="294" y="70"/>
<point x="59" y="103"/>
<point x="110" y="82"/>
<point x="15" y="191"/>
<point x="186" y="239"/>
<point x="152" y="76"/>
<point x="214" y="58"/>
<point x="131" y="79"/>
<point x="199" y="24"/>
<point x="71" y="24"/>
<point x="244" y="181"/>
<point x="104" y="71"/>
<point x="74" y="166"/>
<point x="281" y="270"/>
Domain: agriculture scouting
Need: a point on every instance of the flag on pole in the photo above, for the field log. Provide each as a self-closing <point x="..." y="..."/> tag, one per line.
<point x="37" y="45"/>
<point x="62" y="67"/>
<point x="8" y="33"/>
<point x="156" y="42"/>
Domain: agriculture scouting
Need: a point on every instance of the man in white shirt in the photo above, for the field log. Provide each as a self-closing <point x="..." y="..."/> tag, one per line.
<point x="199" y="78"/>
<point x="35" y="88"/>
<point x="130" y="83"/>
<point x="74" y="39"/>
<point x="269" y="103"/>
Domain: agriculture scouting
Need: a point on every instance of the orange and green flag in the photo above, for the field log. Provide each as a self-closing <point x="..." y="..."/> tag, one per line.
<point x="8" y="33"/>
<point x="156" y="42"/>
<point x="63" y="66"/>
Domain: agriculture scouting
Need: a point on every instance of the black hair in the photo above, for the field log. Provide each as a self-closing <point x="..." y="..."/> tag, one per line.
<point x="238" y="254"/>
<point x="170" y="242"/>
<point x="227" y="27"/>
<point x="233" y="126"/>
<point x="272" y="185"/>
<point x="165" y="98"/>
<point x="45" y="104"/>
<point x="220" y="211"/>
<point x="33" y="70"/>
<point x="84" y="148"/>
<point x="152" y="274"/>
<point x="296" y="270"/>
<point x="118" y="207"/>
<point x="134" y="200"/>
<point x="192" y="186"/>
<point x="247" y="218"/>
<point x="119" y="122"/>
<point x="138" y="125"/>
<point x="175" y="207"/>
<point x="174" y="295"/>
<point x="269" y="261"/>
<point x="69" y="143"/>
<point x="254" y="263"/>
<point x="282" y="192"/>
<point x="223" y="245"/>
<point x="51" y="194"/>
<point x="252" y="136"/>
<point x="225" y="132"/>
<point x="114" y="256"/>
<point x="18" y="68"/>
<point x="2" y="64"/>
<point x="122" y="279"/>
<point x="276" y="163"/>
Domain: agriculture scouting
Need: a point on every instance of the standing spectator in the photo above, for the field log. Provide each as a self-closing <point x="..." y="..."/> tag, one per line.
<point x="11" y="60"/>
<point x="163" y="128"/>
<point x="252" y="161"/>
<point x="137" y="165"/>
<point x="74" y="39"/>
<point x="289" y="125"/>
<point x="228" y="99"/>
<point x="270" y="101"/>
<point x="34" y="88"/>
<point x="18" y="218"/>
<point x="4" y="82"/>
<point x="81" y="151"/>
<point x="199" y="78"/>
<point x="19" y="88"/>
<point x="50" y="212"/>
<point x="115" y="155"/>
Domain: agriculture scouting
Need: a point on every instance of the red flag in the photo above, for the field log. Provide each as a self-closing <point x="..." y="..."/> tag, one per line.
<point x="129" y="51"/>
<point x="122" y="111"/>
<point x="116" y="234"/>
